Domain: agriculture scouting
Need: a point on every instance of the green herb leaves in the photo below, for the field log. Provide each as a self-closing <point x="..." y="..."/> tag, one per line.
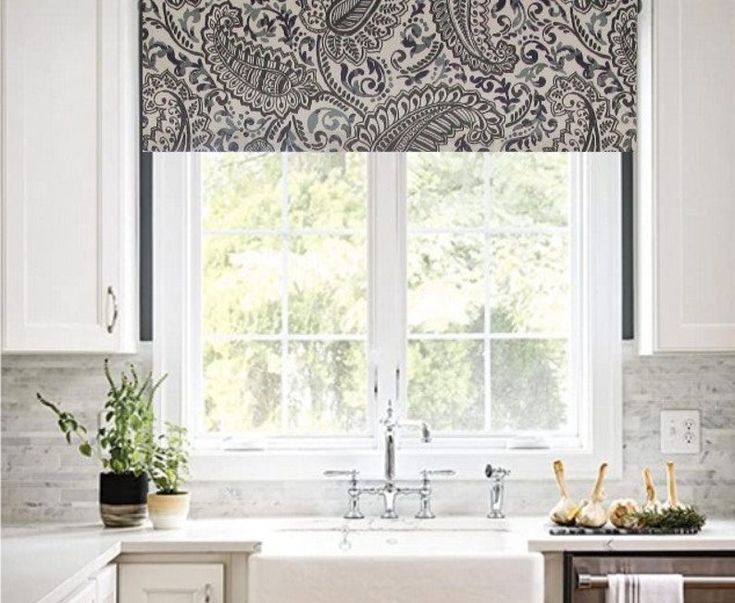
<point x="170" y="460"/>
<point x="124" y="440"/>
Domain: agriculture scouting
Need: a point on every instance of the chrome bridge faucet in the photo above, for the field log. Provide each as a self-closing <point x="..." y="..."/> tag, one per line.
<point x="389" y="491"/>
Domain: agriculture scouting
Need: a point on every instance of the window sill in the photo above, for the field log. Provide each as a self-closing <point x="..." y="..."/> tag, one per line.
<point x="309" y="465"/>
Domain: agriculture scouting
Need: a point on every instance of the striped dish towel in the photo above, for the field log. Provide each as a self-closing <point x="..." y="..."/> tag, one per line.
<point x="645" y="588"/>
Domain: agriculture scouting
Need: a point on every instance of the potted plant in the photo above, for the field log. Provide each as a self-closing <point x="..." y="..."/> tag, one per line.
<point x="169" y="506"/>
<point x="123" y="445"/>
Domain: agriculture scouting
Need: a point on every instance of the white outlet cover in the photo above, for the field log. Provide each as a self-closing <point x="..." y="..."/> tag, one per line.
<point x="680" y="431"/>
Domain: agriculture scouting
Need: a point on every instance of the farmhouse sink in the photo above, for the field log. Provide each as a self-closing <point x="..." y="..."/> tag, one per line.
<point x="374" y="563"/>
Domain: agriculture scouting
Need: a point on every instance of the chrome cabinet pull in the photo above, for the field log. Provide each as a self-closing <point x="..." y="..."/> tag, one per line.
<point x="207" y="593"/>
<point x="113" y="321"/>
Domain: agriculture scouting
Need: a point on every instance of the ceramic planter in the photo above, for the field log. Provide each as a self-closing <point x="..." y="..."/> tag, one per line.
<point x="169" y="511"/>
<point x="123" y="499"/>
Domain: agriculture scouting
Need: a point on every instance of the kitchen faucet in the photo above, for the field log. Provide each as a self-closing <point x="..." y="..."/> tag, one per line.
<point x="388" y="491"/>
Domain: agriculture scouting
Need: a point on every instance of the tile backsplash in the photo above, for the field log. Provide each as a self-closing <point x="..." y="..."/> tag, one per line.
<point x="45" y="480"/>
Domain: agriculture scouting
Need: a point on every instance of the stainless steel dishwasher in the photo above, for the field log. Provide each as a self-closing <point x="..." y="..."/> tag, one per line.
<point x="709" y="577"/>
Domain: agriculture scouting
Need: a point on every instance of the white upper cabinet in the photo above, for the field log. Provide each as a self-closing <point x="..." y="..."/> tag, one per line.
<point x="70" y="182"/>
<point x="686" y="178"/>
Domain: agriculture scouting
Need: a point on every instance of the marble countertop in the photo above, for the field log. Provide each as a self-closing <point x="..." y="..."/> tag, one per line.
<point x="717" y="535"/>
<point x="44" y="563"/>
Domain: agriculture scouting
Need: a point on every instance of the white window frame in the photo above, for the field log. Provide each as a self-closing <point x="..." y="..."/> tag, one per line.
<point x="176" y="303"/>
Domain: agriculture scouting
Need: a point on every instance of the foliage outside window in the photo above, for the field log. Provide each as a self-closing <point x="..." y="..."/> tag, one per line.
<point x="490" y="282"/>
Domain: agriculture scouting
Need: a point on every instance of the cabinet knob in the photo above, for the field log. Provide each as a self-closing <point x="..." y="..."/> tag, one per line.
<point x="111" y="297"/>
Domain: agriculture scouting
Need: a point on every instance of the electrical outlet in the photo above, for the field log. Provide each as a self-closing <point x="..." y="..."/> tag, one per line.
<point x="680" y="431"/>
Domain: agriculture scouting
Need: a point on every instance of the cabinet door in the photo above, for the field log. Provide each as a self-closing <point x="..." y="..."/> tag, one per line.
<point x="686" y="247"/>
<point x="70" y="175"/>
<point x="171" y="583"/>
<point x="106" y="585"/>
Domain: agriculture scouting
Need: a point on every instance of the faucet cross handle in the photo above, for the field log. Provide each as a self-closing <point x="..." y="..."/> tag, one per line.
<point x="427" y="474"/>
<point x="424" y="491"/>
<point x="351" y="473"/>
<point x="353" y="492"/>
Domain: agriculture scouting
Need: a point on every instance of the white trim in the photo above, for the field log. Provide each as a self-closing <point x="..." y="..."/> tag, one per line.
<point x="174" y="190"/>
<point x="597" y="301"/>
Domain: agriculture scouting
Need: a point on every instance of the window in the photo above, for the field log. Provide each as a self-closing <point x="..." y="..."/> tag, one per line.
<point x="478" y="292"/>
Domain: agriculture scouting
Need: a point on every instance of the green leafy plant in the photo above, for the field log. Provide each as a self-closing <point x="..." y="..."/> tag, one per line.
<point x="670" y="519"/>
<point x="170" y="460"/>
<point x="123" y="442"/>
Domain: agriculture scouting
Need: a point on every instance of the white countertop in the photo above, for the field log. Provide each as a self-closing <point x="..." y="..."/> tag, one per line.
<point x="43" y="563"/>
<point x="717" y="535"/>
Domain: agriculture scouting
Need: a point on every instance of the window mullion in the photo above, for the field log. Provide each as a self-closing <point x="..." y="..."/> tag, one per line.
<point x="387" y="275"/>
<point x="285" y="360"/>
<point x="487" y="256"/>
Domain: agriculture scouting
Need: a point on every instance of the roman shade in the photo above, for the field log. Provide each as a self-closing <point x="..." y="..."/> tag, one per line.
<point x="388" y="75"/>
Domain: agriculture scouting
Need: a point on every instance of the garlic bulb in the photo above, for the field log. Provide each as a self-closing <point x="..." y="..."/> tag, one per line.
<point x="621" y="513"/>
<point x="593" y="514"/>
<point x="673" y="498"/>
<point x="566" y="509"/>
<point x="652" y="504"/>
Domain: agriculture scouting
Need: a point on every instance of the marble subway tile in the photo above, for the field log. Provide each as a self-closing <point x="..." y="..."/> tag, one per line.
<point x="44" y="480"/>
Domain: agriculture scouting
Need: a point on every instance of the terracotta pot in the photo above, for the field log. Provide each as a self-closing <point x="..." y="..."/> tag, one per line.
<point x="123" y="499"/>
<point x="168" y="511"/>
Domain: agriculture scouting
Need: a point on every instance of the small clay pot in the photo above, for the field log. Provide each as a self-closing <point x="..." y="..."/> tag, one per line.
<point x="169" y="511"/>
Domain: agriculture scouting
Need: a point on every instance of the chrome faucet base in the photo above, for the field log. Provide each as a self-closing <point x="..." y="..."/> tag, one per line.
<point x="388" y="491"/>
<point x="496" y="515"/>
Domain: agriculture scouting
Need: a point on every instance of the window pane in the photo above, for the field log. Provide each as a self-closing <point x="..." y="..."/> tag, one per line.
<point x="241" y="190"/>
<point x="446" y="189"/>
<point x="327" y="190"/>
<point x="242" y="386"/>
<point x="284" y="259"/>
<point x="530" y="189"/>
<point x="446" y="387"/>
<point x="446" y="284"/>
<point x="530" y="283"/>
<point x="327" y="284"/>
<point x="328" y="387"/>
<point x="241" y="285"/>
<point x="516" y="258"/>
<point x="529" y="384"/>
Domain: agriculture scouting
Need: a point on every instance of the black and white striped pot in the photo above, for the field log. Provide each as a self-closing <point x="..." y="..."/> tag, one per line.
<point x="123" y="499"/>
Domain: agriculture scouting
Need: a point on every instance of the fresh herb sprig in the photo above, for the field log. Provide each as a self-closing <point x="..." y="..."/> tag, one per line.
<point x="169" y="466"/>
<point x="670" y="519"/>
<point x="123" y="442"/>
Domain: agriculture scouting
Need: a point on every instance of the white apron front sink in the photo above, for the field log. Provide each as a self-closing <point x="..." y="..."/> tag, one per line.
<point x="395" y="566"/>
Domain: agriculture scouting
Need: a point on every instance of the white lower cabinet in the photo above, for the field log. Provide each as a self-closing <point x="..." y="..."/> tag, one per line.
<point x="171" y="583"/>
<point x="100" y="588"/>
<point x="85" y="594"/>
<point x="106" y="585"/>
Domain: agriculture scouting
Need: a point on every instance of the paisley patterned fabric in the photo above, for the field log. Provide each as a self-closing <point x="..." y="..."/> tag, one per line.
<point x="388" y="75"/>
